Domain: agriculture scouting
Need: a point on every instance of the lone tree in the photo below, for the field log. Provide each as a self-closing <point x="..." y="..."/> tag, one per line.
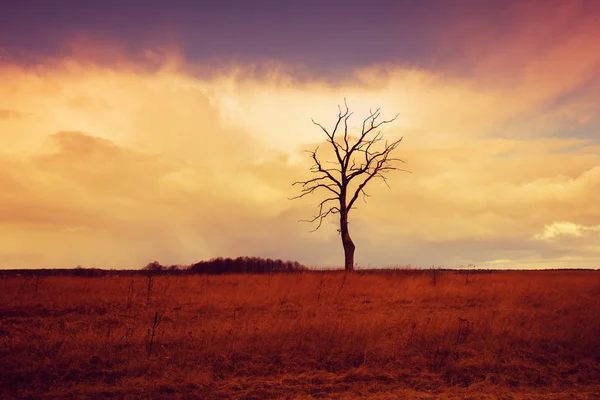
<point x="356" y="162"/>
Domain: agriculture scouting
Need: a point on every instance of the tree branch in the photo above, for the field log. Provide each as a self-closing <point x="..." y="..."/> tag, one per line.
<point x="376" y="164"/>
<point x="365" y="155"/>
<point x="323" y="212"/>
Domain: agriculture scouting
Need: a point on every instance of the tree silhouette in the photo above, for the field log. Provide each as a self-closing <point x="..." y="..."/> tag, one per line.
<point x="357" y="161"/>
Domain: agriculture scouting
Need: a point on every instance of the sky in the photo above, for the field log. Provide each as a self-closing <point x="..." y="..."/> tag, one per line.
<point x="173" y="130"/>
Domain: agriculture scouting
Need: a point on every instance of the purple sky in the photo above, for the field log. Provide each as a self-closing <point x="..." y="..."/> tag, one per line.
<point x="326" y="36"/>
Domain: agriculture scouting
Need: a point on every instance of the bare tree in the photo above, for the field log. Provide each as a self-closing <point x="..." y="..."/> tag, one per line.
<point x="356" y="162"/>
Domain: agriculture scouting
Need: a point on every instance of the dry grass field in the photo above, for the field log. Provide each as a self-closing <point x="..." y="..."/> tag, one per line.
<point x="508" y="335"/>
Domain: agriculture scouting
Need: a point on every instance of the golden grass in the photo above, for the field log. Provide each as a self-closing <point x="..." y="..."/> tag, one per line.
<point x="308" y="335"/>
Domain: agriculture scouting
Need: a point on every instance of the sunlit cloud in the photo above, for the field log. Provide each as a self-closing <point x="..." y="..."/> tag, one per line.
<point x="563" y="229"/>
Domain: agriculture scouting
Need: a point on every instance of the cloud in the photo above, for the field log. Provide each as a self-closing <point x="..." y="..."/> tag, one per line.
<point x="563" y="229"/>
<point x="84" y="102"/>
<point x="9" y="114"/>
<point x="83" y="193"/>
<point x="119" y="163"/>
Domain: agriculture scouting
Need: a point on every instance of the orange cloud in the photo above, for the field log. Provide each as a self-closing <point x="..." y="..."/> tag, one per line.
<point x="116" y="165"/>
<point x="8" y="114"/>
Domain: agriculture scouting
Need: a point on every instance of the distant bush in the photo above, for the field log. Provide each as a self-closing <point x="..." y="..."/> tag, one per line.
<point x="240" y="265"/>
<point x="155" y="267"/>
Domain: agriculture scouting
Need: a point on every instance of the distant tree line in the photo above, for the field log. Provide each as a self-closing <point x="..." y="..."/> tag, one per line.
<point x="215" y="266"/>
<point x="249" y="265"/>
<point x="239" y="265"/>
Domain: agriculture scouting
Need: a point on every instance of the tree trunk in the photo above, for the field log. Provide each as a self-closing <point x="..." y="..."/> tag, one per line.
<point x="348" y="254"/>
<point x="347" y="242"/>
